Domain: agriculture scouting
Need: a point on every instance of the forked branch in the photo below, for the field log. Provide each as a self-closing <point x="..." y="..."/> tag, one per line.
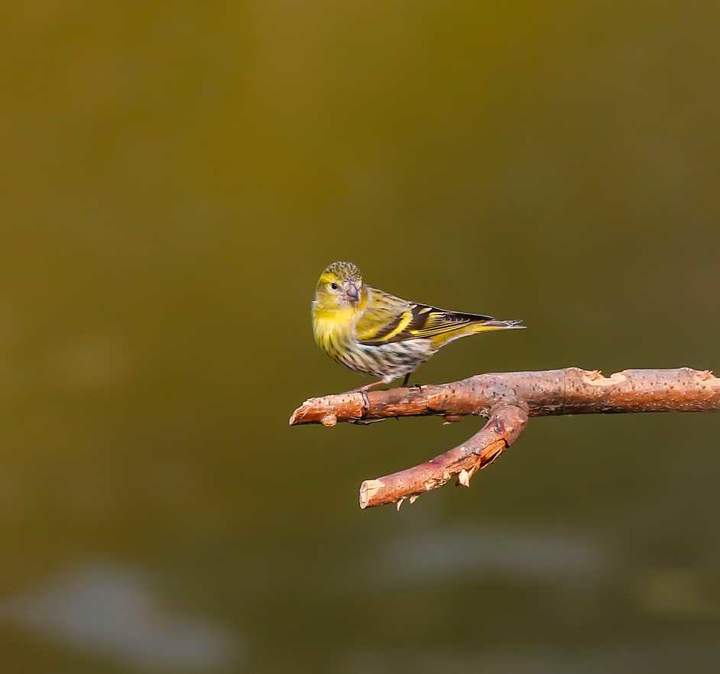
<point x="507" y="400"/>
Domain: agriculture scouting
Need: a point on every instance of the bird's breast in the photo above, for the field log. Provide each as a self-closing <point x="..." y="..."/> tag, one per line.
<point x="333" y="329"/>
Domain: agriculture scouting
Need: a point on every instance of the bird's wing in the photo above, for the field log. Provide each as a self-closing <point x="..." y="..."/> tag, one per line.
<point x="388" y="319"/>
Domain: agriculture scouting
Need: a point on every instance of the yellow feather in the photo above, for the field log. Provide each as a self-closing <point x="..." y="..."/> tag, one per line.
<point x="472" y="329"/>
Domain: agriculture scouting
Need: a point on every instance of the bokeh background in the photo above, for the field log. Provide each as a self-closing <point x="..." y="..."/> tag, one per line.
<point x="175" y="177"/>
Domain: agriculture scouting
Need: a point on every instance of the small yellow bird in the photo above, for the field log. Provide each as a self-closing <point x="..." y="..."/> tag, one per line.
<point x="371" y="331"/>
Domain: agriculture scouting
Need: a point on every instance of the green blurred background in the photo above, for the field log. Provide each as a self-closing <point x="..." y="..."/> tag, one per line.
<point x="175" y="177"/>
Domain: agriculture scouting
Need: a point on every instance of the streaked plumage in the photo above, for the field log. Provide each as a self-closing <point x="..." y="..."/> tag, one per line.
<point x="371" y="331"/>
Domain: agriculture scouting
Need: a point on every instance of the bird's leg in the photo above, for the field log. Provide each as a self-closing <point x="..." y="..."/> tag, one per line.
<point x="407" y="379"/>
<point x="367" y="387"/>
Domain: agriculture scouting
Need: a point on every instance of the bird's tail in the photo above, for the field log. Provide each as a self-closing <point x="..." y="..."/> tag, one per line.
<point x="477" y="325"/>
<point x="494" y="324"/>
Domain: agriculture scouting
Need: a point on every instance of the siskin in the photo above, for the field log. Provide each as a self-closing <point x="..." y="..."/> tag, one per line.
<point x="371" y="331"/>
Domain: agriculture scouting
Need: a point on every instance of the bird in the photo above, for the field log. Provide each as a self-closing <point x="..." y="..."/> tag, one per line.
<point x="371" y="331"/>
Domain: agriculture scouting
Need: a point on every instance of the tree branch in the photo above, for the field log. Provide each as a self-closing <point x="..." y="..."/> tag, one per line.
<point x="508" y="400"/>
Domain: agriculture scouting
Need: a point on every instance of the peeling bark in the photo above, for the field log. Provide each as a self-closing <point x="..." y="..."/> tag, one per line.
<point x="507" y="399"/>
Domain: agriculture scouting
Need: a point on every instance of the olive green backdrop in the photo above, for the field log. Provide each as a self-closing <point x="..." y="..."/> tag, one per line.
<point x="174" y="179"/>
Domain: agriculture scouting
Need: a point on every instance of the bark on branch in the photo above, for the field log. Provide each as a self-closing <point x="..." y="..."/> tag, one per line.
<point x="507" y="400"/>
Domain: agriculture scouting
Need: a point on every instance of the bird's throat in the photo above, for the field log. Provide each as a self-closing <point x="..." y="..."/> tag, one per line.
<point x="332" y="327"/>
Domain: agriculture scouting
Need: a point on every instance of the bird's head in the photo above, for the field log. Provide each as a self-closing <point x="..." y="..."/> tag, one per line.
<point x="340" y="286"/>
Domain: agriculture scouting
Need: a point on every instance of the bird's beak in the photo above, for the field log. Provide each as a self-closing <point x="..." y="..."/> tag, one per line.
<point x="352" y="293"/>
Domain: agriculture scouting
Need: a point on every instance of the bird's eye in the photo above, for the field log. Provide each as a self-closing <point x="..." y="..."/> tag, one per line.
<point x="334" y="286"/>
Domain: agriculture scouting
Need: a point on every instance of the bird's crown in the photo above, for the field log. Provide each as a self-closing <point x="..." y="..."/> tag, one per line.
<point x="342" y="271"/>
